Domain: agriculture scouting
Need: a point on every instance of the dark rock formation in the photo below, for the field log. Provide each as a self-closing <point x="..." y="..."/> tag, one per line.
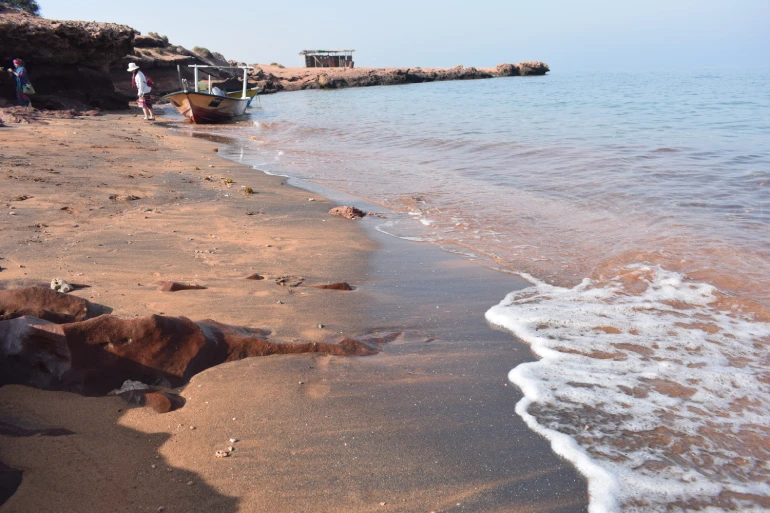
<point x="532" y="68"/>
<point x="97" y="355"/>
<point x="67" y="61"/>
<point x="10" y="479"/>
<point x="507" y="70"/>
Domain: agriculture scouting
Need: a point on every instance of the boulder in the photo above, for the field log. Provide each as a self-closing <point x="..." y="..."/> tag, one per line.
<point x="532" y="68"/>
<point x="348" y="212"/>
<point x="507" y="70"/>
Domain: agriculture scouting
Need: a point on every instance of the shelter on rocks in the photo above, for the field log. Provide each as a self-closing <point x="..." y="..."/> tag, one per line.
<point x="328" y="58"/>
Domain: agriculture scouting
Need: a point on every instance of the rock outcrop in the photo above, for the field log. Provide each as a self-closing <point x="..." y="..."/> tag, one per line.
<point x="274" y="79"/>
<point x="94" y="355"/>
<point x="159" y="59"/>
<point x="67" y="61"/>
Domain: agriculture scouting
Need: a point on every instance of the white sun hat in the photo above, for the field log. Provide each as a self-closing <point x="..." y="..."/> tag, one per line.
<point x="132" y="66"/>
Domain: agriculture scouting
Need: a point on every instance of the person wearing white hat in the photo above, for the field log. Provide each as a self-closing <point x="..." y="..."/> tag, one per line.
<point x="139" y="82"/>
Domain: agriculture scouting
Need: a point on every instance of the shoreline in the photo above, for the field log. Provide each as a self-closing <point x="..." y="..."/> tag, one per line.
<point x="438" y="456"/>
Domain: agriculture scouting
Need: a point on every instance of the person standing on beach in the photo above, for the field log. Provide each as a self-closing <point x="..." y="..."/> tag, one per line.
<point x="139" y="82"/>
<point x="20" y="72"/>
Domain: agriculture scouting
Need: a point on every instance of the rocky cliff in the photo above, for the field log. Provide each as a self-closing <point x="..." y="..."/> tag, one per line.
<point x="67" y="61"/>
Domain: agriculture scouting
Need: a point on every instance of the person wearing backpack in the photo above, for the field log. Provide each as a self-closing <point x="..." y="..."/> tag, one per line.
<point x="23" y="87"/>
<point x="143" y="85"/>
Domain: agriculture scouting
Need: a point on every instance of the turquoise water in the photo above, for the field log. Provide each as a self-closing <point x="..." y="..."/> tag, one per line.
<point x="637" y="204"/>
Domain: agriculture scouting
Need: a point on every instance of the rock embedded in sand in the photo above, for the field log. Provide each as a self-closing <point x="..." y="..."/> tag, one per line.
<point x="347" y="212"/>
<point x="159" y="400"/>
<point x="129" y="385"/>
<point x="47" y="304"/>
<point x="128" y="197"/>
<point x="95" y="356"/>
<point x="341" y="285"/>
<point x="221" y="454"/>
<point x="255" y="276"/>
<point x="289" y="281"/>
<point x="173" y="286"/>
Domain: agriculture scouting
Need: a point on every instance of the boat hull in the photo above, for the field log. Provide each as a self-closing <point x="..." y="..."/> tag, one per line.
<point x="207" y="108"/>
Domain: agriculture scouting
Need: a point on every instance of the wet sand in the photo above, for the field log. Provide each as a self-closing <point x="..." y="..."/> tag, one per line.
<point x="426" y="425"/>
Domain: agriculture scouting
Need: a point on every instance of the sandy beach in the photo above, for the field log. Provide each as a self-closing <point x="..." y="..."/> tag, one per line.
<point x="428" y="424"/>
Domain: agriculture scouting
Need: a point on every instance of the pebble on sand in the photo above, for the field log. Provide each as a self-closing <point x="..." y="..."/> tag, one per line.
<point x="60" y="285"/>
<point x="221" y="454"/>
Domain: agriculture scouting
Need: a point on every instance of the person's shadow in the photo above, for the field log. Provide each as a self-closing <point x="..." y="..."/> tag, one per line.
<point x="90" y="463"/>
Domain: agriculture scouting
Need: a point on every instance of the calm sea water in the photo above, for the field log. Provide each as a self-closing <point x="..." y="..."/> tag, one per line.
<point x="638" y="206"/>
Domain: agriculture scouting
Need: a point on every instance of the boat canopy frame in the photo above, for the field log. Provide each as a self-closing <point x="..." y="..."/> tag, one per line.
<point x="244" y="68"/>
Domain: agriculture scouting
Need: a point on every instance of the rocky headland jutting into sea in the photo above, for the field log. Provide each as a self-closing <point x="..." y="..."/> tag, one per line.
<point x="81" y="65"/>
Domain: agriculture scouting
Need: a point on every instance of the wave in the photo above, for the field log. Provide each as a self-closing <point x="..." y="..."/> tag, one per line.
<point x="656" y="388"/>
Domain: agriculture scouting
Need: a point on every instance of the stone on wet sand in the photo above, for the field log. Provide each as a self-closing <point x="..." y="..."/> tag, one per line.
<point x="341" y="285"/>
<point x="348" y="212"/>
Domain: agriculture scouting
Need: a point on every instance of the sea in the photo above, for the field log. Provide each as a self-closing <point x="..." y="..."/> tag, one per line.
<point x="636" y="204"/>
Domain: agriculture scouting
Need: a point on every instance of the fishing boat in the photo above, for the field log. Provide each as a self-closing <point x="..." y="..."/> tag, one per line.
<point x="214" y="105"/>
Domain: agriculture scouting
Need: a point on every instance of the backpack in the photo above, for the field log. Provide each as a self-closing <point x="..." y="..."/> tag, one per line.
<point x="150" y="82"/>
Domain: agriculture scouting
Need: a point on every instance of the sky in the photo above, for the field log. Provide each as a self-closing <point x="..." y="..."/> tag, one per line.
<point x="593" y="35"/>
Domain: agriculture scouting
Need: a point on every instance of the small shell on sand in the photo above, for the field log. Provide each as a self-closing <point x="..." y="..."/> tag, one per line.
<point x="221" y="454"/>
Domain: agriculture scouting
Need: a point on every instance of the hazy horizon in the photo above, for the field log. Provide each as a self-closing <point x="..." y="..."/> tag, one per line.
<point x="592" y="35"/>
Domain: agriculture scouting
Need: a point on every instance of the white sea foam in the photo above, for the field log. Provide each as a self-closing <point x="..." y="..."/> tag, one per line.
<point x="651" y="386"/>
